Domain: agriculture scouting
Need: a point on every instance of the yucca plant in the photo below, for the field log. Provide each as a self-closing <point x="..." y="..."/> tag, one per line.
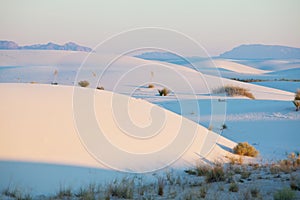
<point x="164" y="92"/>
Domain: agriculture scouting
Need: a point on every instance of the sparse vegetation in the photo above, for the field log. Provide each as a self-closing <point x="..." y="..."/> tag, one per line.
<point x="216" y="181"/>
<point x="245" y="149"/>
<point x="164" y="92"/>
<point x="284" y="194"/>
<point x="234" y="91"/>
<point x="251" y="80"/>
<point x="83" y="83"/>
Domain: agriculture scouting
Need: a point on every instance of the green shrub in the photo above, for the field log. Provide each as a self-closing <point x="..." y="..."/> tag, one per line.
<point x="164" y="92"/>
<point x="234" y="91"/>
<point x="245" y="149"/>
<point x="83" y="83"/>
<point x="284" y="194"/>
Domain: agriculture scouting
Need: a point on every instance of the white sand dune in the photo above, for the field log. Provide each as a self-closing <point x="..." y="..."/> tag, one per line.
<point x="127" y="74"/>
<point x="37" y="125"/>
<point x="237" y="67"/>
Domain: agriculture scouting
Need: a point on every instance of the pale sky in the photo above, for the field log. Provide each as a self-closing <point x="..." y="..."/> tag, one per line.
<point x="218" y="25"/>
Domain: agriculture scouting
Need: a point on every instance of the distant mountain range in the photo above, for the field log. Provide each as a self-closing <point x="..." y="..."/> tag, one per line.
<point x="251" y="51"/>
<point x="259" y="51"/>
<point x="70" y="46"/>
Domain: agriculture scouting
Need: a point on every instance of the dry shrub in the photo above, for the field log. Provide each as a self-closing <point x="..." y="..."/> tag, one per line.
<point x="100" y="88"/>
<point x="245" y="149"/>
<point x="83" y="83"/>
<point x="297" y="95"/>
<point x="297" y="100"/>
<point x="234" y="91"/>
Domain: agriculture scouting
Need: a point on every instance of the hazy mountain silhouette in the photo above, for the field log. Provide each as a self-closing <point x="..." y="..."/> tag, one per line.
<point x="70" y="46"/>
<point x="259" y="51"/>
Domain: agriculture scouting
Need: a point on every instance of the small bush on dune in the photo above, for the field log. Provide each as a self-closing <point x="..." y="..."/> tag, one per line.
<point x="233" y="187"/>
<point x="83" y="83"/>
<point x="297" y="100"/>
<point x="100" y="88"/>
<point x="164" y="92"/>
<point x="150" y="86"/>
<point x="234" y="91"/>
<point x="245" y="149"/>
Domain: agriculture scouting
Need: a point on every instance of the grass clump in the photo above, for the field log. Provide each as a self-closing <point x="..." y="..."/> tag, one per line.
<point x="233" y="160"/>
<point x="121" y="189"/>
<point x="245" y="149"/>
<point x="254" y="192"/>
<point x="284" y="194"/>
<point x="202" y="170"/>
<point x="64" y="192"/>
<point x="234" y="91"/>
<point x="215" y="174"/>
<point x="164" y="92"/>
<point x="88" y="193"/>
<point x="203" y="191"/>
<point x="83" y="83"/>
